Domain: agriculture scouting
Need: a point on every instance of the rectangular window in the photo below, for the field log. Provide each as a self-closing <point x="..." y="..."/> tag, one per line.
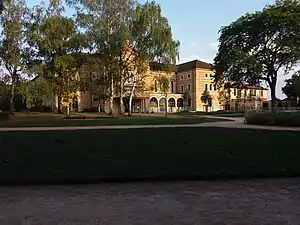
<point x="215" y="87"/>
<point x="254" y="92"/>
<point x="181" y="88"/>
<point x="189" y="87"/>
<point x="245" y="92"/>
<point x="261" y="93"/>
<point x="181" y="77"/>
<point x="206" y="87"/>
<point x="234" y="92"/>
<point x="206" y="75"/>
<point x="210" y="87"/>
<point x="189" y="75"/>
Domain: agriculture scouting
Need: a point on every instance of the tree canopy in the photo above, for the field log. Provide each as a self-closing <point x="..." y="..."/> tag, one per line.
<point x="105" y="48"/>
<point x="292" y="87"/>
<point x="257" y="45"/>
<point x="13" y="54"/>
<point x="56" y="43"/>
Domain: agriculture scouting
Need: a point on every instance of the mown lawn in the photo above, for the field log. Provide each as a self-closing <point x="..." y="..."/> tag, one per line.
<point x="217" y="113"/>
<point x="135" y="154"/>
<point x="139" y="120"/>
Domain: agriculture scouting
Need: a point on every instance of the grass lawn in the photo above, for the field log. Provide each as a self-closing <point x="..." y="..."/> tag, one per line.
<point x="48" y="120"/>
<point x="219" y="114"/>
<point x="165" y="153"/>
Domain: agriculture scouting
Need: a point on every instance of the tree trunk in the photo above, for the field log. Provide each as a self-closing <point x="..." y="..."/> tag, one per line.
<point x="99" y="105"/>
<point x="11" y="99"/>
<point x="111" y="99"/>
<point x="166" y="105"/>
<point x="121" y="104"/>
<point x="111" y="105"/>
<point x="68" y="110"/>
<point x="273" y="98"/>
<point x="59" y="104"/>
<point x="130" y="100"/>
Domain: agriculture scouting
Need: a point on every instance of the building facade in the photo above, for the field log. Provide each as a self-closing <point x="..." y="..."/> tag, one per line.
<point x="188" y="82"/>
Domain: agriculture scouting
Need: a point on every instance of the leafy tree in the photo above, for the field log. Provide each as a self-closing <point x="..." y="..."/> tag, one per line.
<point x="292" y="87"/>
<point x="205" y="96"/>
<point x="186" y="98"/>
<point x="259" y="44"/>
<point x="97" y="83"/>
<point x="55" y="42"/>
<point x="224" y="96"/>
<point x="37" y="91"/>
<point x="150" y="36"/>
<point x="1" y="6"/>
<point x="127" y="36"/>
<point x="164" y="85"/>
<point x="104" y="23"/>
<point x="12" y="50"/>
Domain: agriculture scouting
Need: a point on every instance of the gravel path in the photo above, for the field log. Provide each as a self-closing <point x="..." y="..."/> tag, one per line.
<point x="254" y="202"/>
<point x="237" y="122"/>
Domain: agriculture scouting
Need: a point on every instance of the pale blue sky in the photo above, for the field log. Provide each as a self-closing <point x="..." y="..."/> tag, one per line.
<point x="195" y="23"/>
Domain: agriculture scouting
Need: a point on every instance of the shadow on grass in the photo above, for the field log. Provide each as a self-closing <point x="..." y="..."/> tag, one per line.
<point x="165" y="154"/>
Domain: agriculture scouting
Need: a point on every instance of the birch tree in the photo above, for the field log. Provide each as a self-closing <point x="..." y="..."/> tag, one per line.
<point x="12" y="49"/>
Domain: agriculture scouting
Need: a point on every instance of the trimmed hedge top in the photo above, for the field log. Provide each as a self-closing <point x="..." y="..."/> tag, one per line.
<point x="287" y="119"/>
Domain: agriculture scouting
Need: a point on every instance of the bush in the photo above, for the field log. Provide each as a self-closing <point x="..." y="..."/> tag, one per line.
<point x="288" y="119"/>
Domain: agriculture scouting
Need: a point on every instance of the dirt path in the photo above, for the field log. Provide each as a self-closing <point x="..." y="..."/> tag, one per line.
<point x="233" y="122"/>
<point x="252" y="202"/>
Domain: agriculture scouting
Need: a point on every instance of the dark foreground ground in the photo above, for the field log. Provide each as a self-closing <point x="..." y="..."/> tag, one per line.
<point x="256" y="202"/>
<point x="146" y="154"/>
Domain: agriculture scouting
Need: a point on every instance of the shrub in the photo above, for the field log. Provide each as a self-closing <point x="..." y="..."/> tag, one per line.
<point x="291" y="119"/>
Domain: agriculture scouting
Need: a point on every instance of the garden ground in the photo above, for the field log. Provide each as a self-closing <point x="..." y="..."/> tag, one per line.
<point x="269" y="201"/>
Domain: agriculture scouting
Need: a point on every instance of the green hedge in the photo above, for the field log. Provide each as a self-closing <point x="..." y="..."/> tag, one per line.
<point x="289" y="119"/>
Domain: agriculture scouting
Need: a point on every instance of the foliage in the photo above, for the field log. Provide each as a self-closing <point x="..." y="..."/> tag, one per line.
<point x="37" y="91"/>
<point x="259" y="44"/>
<point x="1" y="6"/>
<point x="205" y="96"/>
<point x="288" y="119"/>
<point x="126" y="36"/>
<point x="12" y="50"/>
<point x="55" y="43"/>
<point x="186" y="95"/>
<point x="224" y="95"/>
<point x="292" y="87"/>
<point x="164" y="85"/>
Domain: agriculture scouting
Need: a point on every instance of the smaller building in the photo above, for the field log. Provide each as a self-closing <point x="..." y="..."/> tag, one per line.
<point x="245" y="97"/>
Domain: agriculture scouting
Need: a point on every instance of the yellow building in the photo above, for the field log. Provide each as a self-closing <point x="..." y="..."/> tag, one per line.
<point x="188" y="81"/>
